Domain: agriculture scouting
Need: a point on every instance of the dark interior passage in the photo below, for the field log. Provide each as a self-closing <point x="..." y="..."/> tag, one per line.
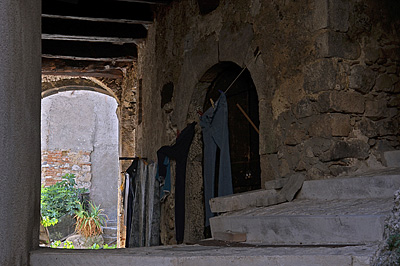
<point x="243" y="138"/>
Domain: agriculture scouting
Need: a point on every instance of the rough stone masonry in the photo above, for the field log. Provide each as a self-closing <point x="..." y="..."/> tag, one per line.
<point x="327" y="81"/>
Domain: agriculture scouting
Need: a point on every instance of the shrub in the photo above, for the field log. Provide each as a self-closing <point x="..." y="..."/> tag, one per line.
<point x="61" y="198"/>
<point x="89" y="222"/>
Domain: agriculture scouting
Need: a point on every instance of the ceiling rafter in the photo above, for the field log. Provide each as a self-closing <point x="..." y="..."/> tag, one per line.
<point x="88" y="31"/>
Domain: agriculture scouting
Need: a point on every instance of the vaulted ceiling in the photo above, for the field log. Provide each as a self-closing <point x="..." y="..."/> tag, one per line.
<point x="97" y="37"/>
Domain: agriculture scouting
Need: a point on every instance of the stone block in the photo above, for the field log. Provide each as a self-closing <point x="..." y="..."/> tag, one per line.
<point x="340" y="101"/>
<point x="272" y="200"/>
<point x="372" y="54"/>
<point x="376" y="109"/>
<point x="320" y="126"/>
<point x="361" y="78"/>
<point x="276" y="184"/>
<point x="391" y="158"/>
<point x="317" y="146"/>
<point x="241" y="200"/>
<point x="320" y="76"/>
<point x="384" y="83"/>
<point x="295" y="134"/>
<point x="351" y="149"/>
<point x="304" y="108"/>
<point x="269" y="165"/>
<point x="336" y="44"/>
<point x="230" y="236"/>
<point x="331" y="14"/>
<point x="377" y="186"/>
<point x="340" y="125"/>
<point x="293" y="185"/>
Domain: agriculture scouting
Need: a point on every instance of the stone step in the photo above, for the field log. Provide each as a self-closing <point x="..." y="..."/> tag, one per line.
<point x="196" y="255"/>
<point x="110" y="231"/>
<point x="375" y="184"/>
<point x="261" y="197"/>
<point x="112" y="223"/>
<point x="309" y="222"/>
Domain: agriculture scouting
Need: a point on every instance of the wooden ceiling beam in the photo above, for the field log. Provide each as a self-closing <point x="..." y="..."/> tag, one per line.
<point x="108" y="9"/>
<point x="59" y="67"/>
<point x="114" y="40"/>
<point x="71" y="27"/>
<point x="111" y="20"/>
<point x="79" y="50"/>
<point x="151" y="2"/>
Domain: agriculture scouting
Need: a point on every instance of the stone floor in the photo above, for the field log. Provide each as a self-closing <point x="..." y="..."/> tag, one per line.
<point x="200" y="255"/>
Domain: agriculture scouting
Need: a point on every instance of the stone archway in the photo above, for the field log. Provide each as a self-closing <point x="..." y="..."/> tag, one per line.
<point x="244" y="144"/>
<point x="80" y="135"/>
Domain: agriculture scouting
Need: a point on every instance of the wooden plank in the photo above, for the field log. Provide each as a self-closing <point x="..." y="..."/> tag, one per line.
<point x="99" y="9"/>
<point x="114" y="40"/>
<point x="126" y="21"/>
<point x="89" y="51"/>
<point x="71" y="27"/>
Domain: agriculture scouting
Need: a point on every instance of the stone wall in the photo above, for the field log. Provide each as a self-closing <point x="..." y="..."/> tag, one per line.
<point x="327" y="79"/>
<point x="57" y="163"/>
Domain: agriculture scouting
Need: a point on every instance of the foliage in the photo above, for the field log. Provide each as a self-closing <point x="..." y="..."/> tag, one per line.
<point x="66" y="244"/>
<point x="106" y="246"/>
<point x="89" y="222"/>
<point x="394" y="245"/>
<point x="95" y="246"/>
<point x="46" y="221"/>
<point x="61" y="198"/>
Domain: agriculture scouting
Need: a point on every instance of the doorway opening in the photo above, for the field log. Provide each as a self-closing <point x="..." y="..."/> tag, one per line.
<point x="242" y="102"/>
<point x="80" y="146"/>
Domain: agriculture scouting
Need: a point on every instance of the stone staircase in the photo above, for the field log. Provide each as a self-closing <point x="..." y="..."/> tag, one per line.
<point x="110" y="233"/>
<point x="332" y="222"/>
<point x="332" y="213"/>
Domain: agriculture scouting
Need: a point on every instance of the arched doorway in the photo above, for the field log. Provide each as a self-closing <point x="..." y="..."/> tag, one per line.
<point x="242" y="101"/>
<point x="244" y="139"/>
<point x="80" y="136"/>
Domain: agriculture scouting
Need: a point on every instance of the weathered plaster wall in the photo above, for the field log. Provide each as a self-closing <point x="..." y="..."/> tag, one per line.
<point x="327" y="80"/>
<point x="84" y="122"/>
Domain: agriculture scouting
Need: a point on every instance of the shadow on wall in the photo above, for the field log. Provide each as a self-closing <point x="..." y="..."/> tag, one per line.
<point x="79" y="135"/>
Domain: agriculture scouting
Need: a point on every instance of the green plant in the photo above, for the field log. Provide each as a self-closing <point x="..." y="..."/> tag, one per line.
<point x="95" y="246"/>
<point x="55" y="244"/>
<point x="46" y="221"/>
<point x="89" y="222"/>
<point x="61" y="198"/>
<point x="66" y="244"/>
<point x="106" y="246"/>
<point x="394" y="245"/>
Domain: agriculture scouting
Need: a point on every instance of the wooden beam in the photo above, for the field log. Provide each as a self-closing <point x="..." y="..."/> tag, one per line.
<point x="90" y="39"/>
<point x="99" y="9"/>
<point x="96" y="74"/>
<point x="88" y="50"/>
<point x="71" y="27"/>
<point x="151" y="2"/>
<point x="87" y="68"/>
<point x="111" y="20"/>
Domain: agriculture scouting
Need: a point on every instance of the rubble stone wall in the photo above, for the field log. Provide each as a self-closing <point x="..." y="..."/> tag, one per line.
<point x="327" y="79"/>
<point x="57" y="163"/>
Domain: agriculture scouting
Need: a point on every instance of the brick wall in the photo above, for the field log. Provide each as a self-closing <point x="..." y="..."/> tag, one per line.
<point x="57" y="163"/>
